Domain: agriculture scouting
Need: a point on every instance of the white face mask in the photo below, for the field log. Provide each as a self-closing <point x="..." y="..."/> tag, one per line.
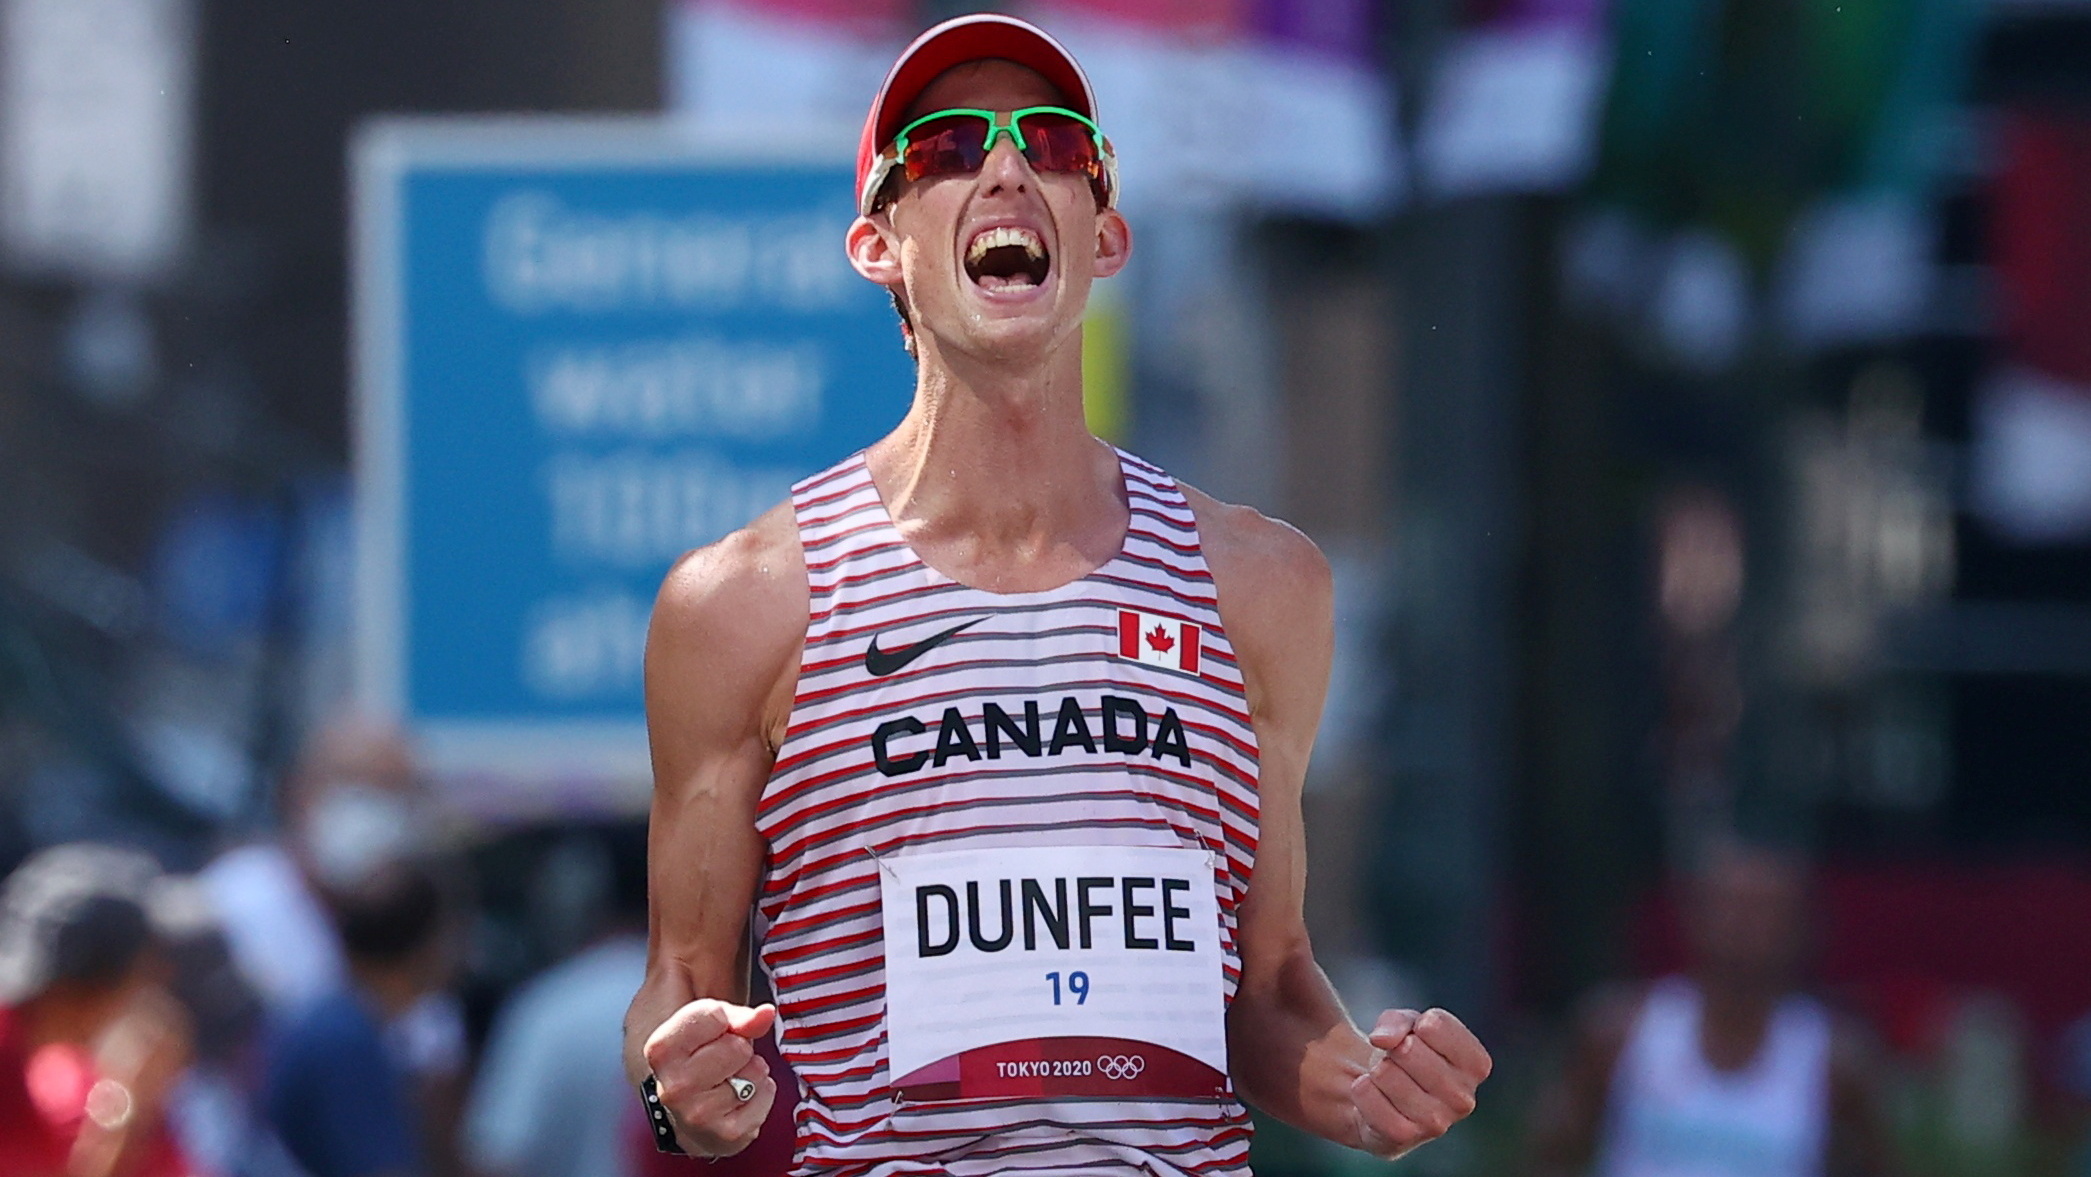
<point x="355" y="830"/>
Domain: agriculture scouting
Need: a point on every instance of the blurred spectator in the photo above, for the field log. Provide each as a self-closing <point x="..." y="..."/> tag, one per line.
<point x="339" y="1092"/>
<point x="1730" y="1071"/>
<point x="353" y="806"/>
<point x="551" y="1095"/>
<point x="2075" y="1082"/>
<point x="90" y="1041"/>
<point x="213" y="1112"/>
<point x="348" y="803"/>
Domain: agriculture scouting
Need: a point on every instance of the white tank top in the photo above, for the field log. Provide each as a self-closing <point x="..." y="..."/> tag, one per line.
<point x="1673" y="1115"/>
<point x="933" y="717"/>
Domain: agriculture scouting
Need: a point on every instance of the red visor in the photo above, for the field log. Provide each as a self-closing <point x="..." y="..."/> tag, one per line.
<point x="955" y="42"/>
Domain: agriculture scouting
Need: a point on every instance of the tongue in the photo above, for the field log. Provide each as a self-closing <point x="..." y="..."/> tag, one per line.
<point x="999" y="282"/>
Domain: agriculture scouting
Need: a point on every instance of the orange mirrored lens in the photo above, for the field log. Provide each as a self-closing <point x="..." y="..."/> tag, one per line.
<point x="1056" y="143"/>
<point x="947" y="147"/>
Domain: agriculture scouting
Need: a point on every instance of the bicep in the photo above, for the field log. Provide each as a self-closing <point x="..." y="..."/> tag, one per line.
<point x="1276" y="601"/>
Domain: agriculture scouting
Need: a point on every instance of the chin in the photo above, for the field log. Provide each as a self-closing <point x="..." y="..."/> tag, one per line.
<point x="1015" y="337"/>
<point x="1032" y="322"/>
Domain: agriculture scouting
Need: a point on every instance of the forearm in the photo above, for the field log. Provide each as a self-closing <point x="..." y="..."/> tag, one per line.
<point x="1293" y="1050"/>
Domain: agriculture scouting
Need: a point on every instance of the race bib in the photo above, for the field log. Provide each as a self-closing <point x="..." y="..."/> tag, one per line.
<point x="1050" y="971"/>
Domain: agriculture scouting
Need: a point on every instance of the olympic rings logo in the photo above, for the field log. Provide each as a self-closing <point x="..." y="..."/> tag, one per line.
<point x="1121" y="1066"/>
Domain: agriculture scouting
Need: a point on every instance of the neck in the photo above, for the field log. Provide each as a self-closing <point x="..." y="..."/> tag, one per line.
<point x="994" y="471"/>
<point x="393" y="987"/>
<point x="64" y="1015"/>
<point x="1733" y="1020"/>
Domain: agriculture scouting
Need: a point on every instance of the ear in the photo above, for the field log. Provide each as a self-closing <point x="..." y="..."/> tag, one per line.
<point x="873" y="251"/>
<point x="1114" y="242"/>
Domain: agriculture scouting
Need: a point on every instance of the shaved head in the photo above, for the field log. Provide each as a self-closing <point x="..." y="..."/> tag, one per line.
<point x="1749" y="914"/>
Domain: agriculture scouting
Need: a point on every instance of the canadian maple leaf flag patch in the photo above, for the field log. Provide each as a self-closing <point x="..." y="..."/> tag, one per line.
<point x="1158" y="641"/>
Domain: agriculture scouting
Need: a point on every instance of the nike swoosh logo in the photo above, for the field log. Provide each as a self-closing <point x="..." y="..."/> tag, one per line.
<point x="884" y="662"/>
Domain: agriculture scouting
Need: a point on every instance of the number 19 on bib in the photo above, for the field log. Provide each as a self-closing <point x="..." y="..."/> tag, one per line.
<point x="1049" y="971"/>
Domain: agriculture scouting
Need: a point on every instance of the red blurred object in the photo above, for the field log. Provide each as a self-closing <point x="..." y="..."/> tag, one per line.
<point x="2043" y="240"/>
<point x="43" y="1102"/>
<point x="769" y="1156"/>
<point x="1907" y="942"/>
<point x="29" y="1146"/>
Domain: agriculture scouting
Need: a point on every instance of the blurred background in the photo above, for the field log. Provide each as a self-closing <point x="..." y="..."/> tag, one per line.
<point x="1693" y="397"/>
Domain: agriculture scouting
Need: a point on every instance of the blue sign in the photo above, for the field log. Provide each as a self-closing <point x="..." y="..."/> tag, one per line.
<point x="584" y="348"/>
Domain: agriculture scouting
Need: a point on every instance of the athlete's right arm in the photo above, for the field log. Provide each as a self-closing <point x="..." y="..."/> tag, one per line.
<point x="722" y="658"/>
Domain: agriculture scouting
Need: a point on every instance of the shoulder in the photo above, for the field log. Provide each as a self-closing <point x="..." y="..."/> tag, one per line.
<point x="341" y="1016"/>
<point x="325" y="1035"/>
<point x="752" y="573"/>
<point x="1276" y="600"/>
<point x="730" y="618"/>
<point x="1254" y="557"/>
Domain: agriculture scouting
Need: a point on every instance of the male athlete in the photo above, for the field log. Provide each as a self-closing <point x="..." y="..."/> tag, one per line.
<point x="1730" y="1070"/>
<point x="999" y="734"/>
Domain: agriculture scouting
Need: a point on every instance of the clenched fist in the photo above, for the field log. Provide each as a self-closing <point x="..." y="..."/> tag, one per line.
<point x="1420" y="1083"/>
<point x="693" y="1054"/>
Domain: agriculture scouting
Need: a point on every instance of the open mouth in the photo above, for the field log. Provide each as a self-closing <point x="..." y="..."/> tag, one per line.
<point x="1007" y="257"/>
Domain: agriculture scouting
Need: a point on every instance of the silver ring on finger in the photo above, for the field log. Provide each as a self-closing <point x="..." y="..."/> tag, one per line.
<point x="743" y="1089"/>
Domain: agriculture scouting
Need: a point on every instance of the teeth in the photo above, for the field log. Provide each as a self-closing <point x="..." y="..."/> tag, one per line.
<point x="1002" y="235"/>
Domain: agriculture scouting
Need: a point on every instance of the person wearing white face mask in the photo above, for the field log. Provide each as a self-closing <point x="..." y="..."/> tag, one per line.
<point x="339" y="1092"/>
<point x="353" y="805"/>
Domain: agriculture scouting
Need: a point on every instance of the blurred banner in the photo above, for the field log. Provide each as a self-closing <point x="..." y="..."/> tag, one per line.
<point x="1514" y="102"/>
<point x="779" y="63"/>
<point x="2033" y="420"/>
<point x="95" y="135"/>
<point x="1273" y="104"/>
<point x="583" y="348"/>
<point x="1765" y="172"/>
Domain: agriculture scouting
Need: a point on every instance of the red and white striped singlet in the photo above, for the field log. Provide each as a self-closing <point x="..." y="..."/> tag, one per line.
<point x="929" y="756"/>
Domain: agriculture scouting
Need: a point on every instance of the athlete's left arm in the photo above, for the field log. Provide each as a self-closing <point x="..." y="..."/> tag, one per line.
<point x="1293" y="1051"/>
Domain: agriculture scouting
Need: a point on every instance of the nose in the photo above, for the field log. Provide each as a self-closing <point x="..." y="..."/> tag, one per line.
<point x="1006" y="169"/>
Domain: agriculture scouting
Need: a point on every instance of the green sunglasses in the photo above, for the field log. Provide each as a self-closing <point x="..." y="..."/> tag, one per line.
<point x="958" y="141"/>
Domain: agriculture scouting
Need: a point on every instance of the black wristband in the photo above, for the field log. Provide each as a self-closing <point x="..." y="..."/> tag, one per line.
<point x="657" y="1119"/>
